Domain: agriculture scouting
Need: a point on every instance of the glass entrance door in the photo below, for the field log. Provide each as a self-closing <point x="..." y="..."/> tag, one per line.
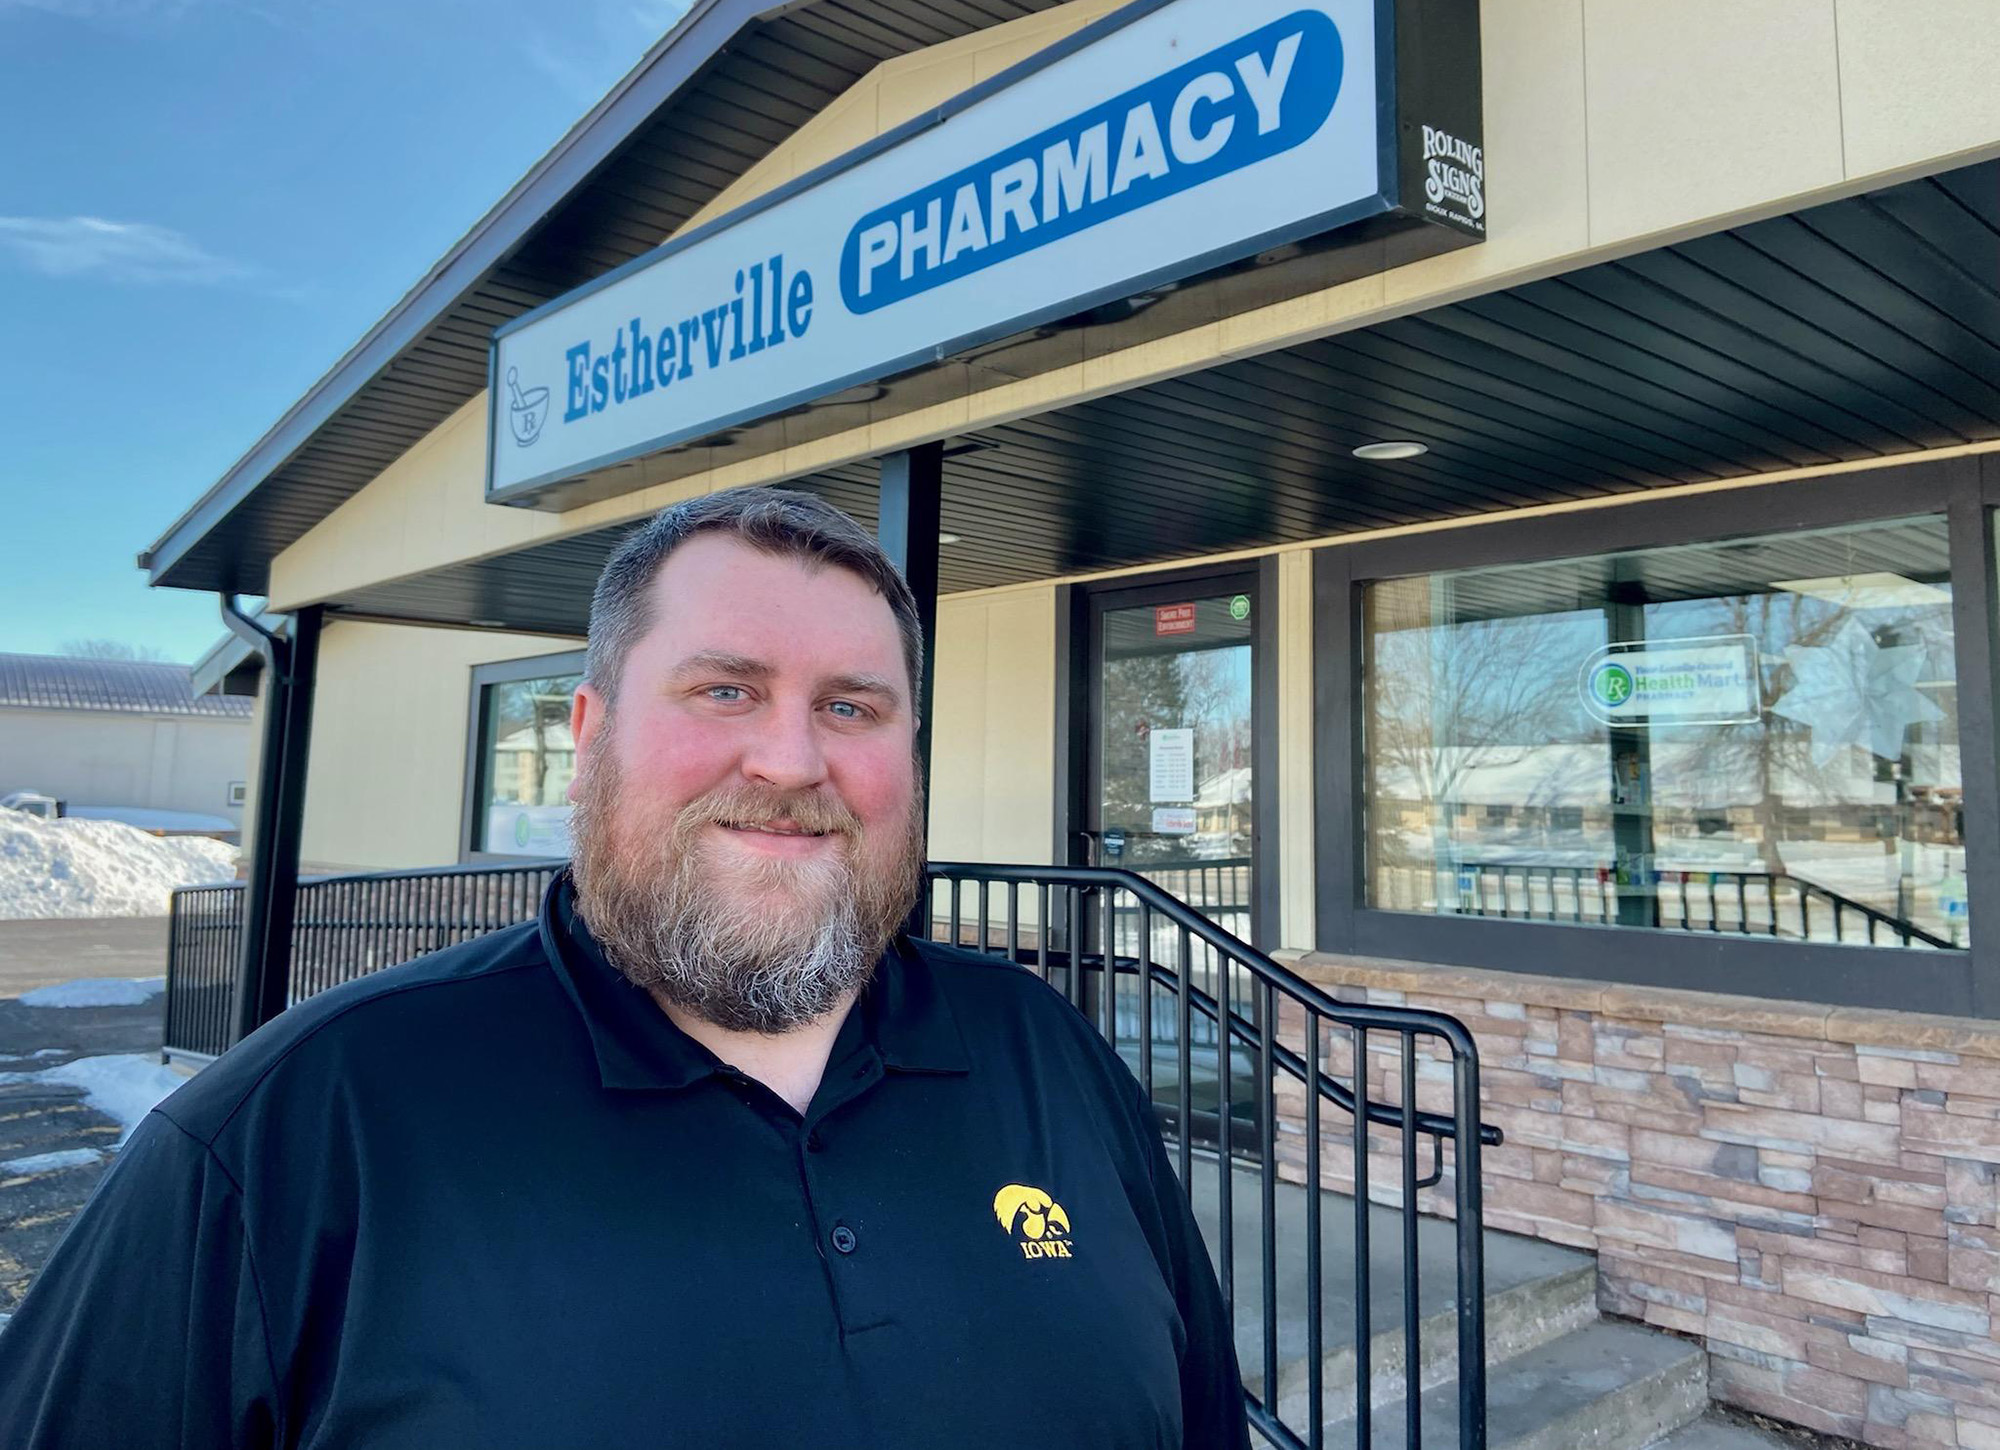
<point x="1172" y="782"/>
<point x="1174" y="746"/>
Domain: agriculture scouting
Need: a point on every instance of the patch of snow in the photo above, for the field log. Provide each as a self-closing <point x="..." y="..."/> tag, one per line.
<point x="96" y="992"/>
<point x="50" y="1162"/>
<point x="80" y="868"/>
<point x="146" y="818"/>
<point x="31" y="1056"/>
<point x="124" y="1087"/>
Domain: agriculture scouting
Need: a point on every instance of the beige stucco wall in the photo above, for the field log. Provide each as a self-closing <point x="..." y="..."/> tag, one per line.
<point x="385" y="776"/>
<point x="391" y="715"/>
<point x="1293" y="859"/>
<point x="386" y="770"/>
<point x="253" y="767"/>
<point x="993" y="737"/>
<point x="1611" y="125"/>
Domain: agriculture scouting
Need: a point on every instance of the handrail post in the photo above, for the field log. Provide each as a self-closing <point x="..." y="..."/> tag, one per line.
<point x="1471" y="1246"/>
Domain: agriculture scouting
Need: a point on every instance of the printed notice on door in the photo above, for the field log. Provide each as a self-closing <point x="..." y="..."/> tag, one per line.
<point x="1173" y="766"/>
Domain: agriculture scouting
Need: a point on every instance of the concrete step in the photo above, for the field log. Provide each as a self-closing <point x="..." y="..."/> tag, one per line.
<point x="1608" y="1386"/>
<point x="1713" y="1432"/>
<point x="1535" y="1292"/>
<point x="1557" y="1376"/>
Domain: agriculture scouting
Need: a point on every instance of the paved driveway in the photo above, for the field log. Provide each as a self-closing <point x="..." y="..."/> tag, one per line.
<point x="38" y="1118"/>
<point x="39" y="953"/>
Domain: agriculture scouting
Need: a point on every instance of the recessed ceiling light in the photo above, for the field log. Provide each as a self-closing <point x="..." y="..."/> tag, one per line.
<point x="949" y="539"/>
<point x="1399" y="448"/>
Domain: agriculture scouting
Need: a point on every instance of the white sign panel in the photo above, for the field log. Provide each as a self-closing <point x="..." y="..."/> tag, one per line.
<point x="1154" y="146"/>
<point x="1705" y="680"/>
<point x="1173" y="820"/>
<point x="528" y="830"/>
<point x="1172" y="774"/>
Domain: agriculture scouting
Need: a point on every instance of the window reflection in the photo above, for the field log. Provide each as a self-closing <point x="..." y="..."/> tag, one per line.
<point x="527" y="762"/>
<point x="1175" y="746"/>
<point x="1749" y="737"/>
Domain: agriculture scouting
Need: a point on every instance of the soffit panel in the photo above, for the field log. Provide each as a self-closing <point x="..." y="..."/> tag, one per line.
<point x="1857" y="330"/>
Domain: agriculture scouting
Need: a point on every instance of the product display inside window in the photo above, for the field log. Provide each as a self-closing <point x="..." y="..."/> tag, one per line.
<point x="1754" y="736"/>
<point x="526" y="761"/>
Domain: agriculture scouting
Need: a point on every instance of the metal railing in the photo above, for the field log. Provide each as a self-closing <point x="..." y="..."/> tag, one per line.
<point x="345" y="927"/>
<point x="1201" y="987"/>
<point x="204" y="954"/>
<point x="1172" y="969"/>
<point x="1745" y="903"/>
<point x="1218" y="889"/>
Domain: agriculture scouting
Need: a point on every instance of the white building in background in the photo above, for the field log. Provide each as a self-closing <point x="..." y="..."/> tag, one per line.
<point x="125" y="739"/>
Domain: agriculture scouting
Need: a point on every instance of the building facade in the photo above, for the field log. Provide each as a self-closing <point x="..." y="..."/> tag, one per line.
<point x="1642" y="716"/>
<point x="128" y="739"/>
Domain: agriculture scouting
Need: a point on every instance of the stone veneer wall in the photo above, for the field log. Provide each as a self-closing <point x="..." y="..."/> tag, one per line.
<point x="1811" y="1191"/>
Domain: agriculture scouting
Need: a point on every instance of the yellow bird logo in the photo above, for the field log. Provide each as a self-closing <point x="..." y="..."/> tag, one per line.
<point x="1044" y="1216"/>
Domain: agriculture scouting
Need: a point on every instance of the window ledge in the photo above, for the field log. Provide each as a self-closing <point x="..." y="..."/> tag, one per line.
<point x="1859" y="1026"/>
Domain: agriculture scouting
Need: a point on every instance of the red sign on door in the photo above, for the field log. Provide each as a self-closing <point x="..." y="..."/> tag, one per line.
<point x="1173" y="619"/>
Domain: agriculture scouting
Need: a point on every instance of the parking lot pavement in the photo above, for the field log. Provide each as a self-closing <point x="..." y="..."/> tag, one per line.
<point x="41" y="953"/>
<point x="38" y="1119"/>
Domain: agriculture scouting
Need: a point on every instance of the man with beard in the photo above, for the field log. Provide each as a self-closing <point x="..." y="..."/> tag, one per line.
<point x="708" y="1155"/>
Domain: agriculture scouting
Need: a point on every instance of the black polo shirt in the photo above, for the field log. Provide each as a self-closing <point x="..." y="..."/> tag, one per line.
<point x="495" y="1198"/>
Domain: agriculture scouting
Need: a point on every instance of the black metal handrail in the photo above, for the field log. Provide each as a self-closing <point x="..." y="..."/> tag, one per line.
<point x="1603" y="908"/>
<point x="353" y="924"/>
<point x="1075" y="930"/>
<point x="345" y="926"/>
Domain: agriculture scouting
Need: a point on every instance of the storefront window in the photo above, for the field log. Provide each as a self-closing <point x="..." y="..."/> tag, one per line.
<point x="526" y="761"/>
<point x="1758" y="736"/>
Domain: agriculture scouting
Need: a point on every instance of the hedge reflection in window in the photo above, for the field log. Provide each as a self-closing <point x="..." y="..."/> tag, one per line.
<point x="1756" y="736"/>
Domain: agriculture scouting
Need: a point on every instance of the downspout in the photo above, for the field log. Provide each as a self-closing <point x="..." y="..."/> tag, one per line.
<point x="270" y="894"/>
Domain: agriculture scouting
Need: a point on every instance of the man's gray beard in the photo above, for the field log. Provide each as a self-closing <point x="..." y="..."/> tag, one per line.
<point x="779" y="951"/>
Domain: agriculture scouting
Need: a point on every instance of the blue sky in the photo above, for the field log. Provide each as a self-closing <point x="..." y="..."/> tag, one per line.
<point x="204" y="203"/>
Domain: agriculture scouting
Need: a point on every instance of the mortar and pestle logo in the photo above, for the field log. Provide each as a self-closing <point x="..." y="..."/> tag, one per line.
<point x="528" y="411"/>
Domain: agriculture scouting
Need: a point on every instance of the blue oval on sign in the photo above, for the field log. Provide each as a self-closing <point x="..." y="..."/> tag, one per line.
<point x="1254" y="98"/>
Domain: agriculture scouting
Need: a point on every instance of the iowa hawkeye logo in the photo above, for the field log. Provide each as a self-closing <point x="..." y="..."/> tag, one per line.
<point x="1043" y="1224"/>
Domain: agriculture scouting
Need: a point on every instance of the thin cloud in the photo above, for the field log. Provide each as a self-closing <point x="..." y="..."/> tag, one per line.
<point x="596" y="43"/>
<point x="102" y="10"/>
<point x="88" y="246"/>
<point x="657" y="17"/>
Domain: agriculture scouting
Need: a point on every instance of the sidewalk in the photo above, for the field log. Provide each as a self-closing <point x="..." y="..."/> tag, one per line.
<point x="39" y="1194"/>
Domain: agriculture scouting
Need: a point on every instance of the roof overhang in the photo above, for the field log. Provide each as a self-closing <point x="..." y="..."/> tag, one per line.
<point x="728" y="83"/>
<point x="1863" y="329"/>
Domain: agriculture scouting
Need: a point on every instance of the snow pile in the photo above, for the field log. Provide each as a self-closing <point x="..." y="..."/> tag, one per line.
<point x="97" y="992"/>
<point x="72" y="867"/>
<point x="125" y="1087"/>
<point x="51" y="1162"/>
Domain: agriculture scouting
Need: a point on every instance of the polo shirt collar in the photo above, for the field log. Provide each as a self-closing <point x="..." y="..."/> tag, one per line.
<point x="902" y="1014"/>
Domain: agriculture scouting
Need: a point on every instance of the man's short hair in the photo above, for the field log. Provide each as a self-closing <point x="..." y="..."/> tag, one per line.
<point x="778" y="521"/>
